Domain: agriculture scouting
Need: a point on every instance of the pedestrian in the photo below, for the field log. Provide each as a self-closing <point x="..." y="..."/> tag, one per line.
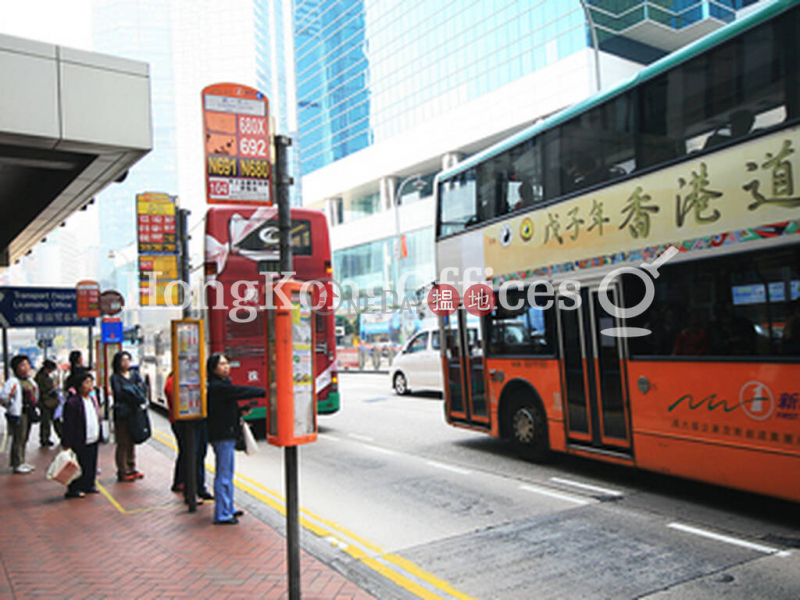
<point x="201" y="448"/>
<point x="82" y="434"/>
<point x="48" y="402"/>
<point x="223" y="429"/>
<point x="76" y="368"/>
<point x="19" y="396"/>
<point x="129" y="395"/>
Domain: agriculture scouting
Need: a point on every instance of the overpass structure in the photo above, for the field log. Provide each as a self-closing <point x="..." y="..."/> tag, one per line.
<point x="71" y="123"/>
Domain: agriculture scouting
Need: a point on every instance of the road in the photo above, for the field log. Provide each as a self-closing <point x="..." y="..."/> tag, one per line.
<point x="456" y="513"/>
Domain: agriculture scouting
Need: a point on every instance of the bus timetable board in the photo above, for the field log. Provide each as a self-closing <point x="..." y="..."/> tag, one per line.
<point x="237" y="145"/>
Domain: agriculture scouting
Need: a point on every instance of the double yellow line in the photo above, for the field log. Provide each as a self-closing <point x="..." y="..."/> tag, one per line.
<point x="395" y="568"/>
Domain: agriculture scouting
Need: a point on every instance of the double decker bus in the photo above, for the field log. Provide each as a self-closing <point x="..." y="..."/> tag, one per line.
<point x="242" y="246"/>
<point x="688" y="366"/>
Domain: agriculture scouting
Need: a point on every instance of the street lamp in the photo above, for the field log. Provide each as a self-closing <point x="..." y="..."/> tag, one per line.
<point x="593" y="31"/>
<point x="418" y="185"/>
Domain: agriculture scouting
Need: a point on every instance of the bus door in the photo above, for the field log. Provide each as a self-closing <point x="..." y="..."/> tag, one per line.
<point x="465" y="387"/>
<point x="593" y="372"/>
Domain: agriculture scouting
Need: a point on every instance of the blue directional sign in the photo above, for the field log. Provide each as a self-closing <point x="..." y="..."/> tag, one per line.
<point x="111" y="331"/>
<point x="40" y="307"/>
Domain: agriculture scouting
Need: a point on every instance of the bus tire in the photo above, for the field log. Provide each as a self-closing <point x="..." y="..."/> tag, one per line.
<point x="400" y="384"/>
<point x="526" y="427"/>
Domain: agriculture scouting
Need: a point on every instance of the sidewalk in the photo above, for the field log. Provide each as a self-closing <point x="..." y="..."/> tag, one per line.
<point x="137" y="540"/>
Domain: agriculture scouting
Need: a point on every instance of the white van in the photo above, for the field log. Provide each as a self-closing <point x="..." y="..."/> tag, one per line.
<point x="418" y="365"/>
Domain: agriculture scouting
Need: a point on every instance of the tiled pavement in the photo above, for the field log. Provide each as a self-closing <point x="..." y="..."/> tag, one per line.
<point x="139" y="541"/>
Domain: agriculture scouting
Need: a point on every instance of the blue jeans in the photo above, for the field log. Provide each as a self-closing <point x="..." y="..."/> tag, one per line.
<point x="223" y="480"/>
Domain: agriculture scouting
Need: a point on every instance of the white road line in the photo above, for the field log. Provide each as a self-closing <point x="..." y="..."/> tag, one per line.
<point x="450" y="468"/>
<point x="552" y="494"/>
<point x="327" y="436"/>
<point x="586" y="486"/>
<point x="727" y="539"/>
<point x="381" y="450"/>
<point x="363" y="438"/>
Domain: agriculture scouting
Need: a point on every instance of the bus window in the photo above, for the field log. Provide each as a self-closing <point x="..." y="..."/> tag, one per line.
<point x="520" y="332"/>
<point x="458" y="203"/>
<point x="493" y="178"/>
<point x="738" y="306"/>
<point x="525" y="187"/>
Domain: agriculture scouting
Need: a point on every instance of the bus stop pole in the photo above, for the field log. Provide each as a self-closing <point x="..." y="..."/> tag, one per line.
<point x="91" y="351"/>
<point x="190" y="427"/>
<point x="5" y="353"/>
<point x="283" y="181"/>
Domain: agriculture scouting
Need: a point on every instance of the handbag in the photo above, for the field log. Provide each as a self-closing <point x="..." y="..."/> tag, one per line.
<point x="30" y="408"/>
<point x="250" y="446"/>
<point x="139" y="426"/>
<point x="65" y="468"/>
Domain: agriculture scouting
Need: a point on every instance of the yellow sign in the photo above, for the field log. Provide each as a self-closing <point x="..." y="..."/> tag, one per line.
<point x="161" y="266"/>
<point x="738" y="188"/>
<point x="158" y="295"/>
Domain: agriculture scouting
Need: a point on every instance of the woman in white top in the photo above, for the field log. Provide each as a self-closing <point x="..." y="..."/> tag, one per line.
<point x="18" y="396"/>
<point x="82" y="433"/>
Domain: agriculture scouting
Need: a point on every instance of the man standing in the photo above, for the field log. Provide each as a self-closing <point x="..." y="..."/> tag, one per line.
<point x="48" y="395"/>
<point x="19" y="394"/>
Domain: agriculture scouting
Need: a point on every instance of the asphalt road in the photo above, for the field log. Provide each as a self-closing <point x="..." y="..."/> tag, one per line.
<point x="465" y="517"/>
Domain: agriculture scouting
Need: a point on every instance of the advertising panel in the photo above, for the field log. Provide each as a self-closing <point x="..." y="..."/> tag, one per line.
<point x="188" y="359"/>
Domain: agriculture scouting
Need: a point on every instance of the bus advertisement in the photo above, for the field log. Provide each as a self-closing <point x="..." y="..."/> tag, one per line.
<point x="642" y="255"/>
<point x="242" y="246"/>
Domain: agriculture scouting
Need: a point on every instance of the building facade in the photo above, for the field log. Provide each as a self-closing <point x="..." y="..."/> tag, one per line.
<point x="389" y="93"/>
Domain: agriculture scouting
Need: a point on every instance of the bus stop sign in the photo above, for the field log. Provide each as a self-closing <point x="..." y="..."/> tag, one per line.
<point x="111" y="331"/>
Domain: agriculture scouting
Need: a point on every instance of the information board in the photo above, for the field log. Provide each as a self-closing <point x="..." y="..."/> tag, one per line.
<point x="88" y="306"/>
<point x="157" y="234"/>
<point x="237" y="145"/>
<point x="189" y="376"/>
<point x="302" y="369"/>
<point x="33" y="306"/>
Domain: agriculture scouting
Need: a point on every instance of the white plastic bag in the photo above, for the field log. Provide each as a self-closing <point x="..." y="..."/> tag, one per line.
<point x="250" y="446"/>
<point x="65" y="468"/>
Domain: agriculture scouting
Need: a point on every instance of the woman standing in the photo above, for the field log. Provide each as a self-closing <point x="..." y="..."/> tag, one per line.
<point x="223" y="429"/>
<point x="18" y="396"/>
<point x="129" y="396"/>
<point x="76" y="369"/>
<point x="82" y="433"/>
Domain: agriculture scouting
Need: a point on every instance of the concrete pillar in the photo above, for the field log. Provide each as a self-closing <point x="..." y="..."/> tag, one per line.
<point x="387" y="190"/>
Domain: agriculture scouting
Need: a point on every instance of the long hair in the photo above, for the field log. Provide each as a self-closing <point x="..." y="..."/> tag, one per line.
<point x="75" y="358"/>
<point x="212" y="363"/>
<point x="116" y="363"/>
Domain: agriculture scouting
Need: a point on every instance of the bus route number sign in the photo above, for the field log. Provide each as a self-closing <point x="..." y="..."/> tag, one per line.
<point x="237" y="145"/>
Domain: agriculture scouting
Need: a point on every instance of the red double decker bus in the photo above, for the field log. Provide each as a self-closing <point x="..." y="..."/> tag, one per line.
<point x="242" y="246"/>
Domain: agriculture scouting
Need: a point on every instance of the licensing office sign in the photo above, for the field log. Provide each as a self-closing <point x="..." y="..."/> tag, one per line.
<point x="37" y="307"/>
<point x="237" y="145"/>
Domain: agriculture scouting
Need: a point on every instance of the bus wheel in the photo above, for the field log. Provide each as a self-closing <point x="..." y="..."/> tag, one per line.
<point x="527" y="428"/>
<point x="400" y="384"/>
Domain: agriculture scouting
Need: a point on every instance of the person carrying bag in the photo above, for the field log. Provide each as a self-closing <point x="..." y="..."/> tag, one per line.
<point x="131" y="422"/>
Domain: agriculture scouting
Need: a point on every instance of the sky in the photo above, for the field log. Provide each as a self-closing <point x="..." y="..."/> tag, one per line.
<point x="62" y="22"/>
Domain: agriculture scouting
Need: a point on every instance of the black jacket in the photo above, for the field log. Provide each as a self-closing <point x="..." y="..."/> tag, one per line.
<point x="223" y="407"/>
<point x="73" y="434"/>
<point x="129" y="395"/>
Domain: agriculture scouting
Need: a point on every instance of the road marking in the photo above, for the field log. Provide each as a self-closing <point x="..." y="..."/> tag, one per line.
<point x="363" y="438"/>
<point x="402" y="572"/>
<point x="552" y="494"/>
<point x="328" y="437"/>
<point x="728" y="539"/>
<point x="586" y="486"/>
<point x="450" y="468"/>
<point x="382" y="450"/>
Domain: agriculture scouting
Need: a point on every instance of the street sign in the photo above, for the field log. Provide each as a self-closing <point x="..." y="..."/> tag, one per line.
<point x="45" y="333"/>
<point x="111" y="303"/>
<point x="157" y="225"/>
<point x="111" y="331"/>
<point x="157" y="217"/>
<point x="237" y="145"/>
<point x="88" y="299"/>
<point x="32" y="307"/>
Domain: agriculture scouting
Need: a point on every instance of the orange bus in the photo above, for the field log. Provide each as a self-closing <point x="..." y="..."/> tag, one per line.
<point x="601" y="342"/>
